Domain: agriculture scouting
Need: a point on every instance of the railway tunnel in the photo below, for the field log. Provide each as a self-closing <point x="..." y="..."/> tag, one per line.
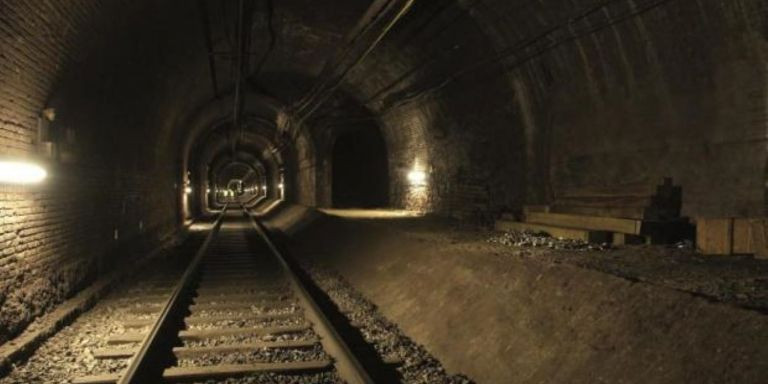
<point x="443" y="191"/>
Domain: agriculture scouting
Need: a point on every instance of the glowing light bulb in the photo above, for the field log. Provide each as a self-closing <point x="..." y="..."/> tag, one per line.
<point x="417" y="177"/>
<point x="17" y="172"/>
<point x="188" y="190"/>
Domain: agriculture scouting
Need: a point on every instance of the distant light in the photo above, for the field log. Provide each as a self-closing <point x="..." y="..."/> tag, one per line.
<point x="264" y="188"/>
<point x="188" y="190"/>
<point x="17" y="172"/>
<point x="207" y="190"/>
<point x="417" y="177"/>
<point x="281" y="186"/>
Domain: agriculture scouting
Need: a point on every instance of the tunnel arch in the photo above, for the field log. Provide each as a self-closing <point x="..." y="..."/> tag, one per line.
<point x="207" y="135"/>
<point x="253" y="149"/>
<point x="235" y="180"/>
<point x="211" y="181"/>
<point x="491" y="99"/>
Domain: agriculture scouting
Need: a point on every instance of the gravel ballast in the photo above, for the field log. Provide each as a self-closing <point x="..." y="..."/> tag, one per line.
<point x="263" y="355"/>
<point x="530" y="239"/>
<point x="70" y="352"/>
<point x="330" y="377"/>
<point x="418" y="365"/>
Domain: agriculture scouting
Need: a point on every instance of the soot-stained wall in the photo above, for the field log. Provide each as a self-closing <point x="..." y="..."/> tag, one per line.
<point x="500" y="103"/>
<point x="462" y="133"/>
<point x="108" y="193"/>
<point x="513" y="102"/>
<point x="640" y="90"/>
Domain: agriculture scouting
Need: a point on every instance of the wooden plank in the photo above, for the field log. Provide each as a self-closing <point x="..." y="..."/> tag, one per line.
<point x="128" y="337"/>
<point x="759" y="233"/>
<point x="196" y="320"/>
<point x="714" y="236"/>
<point x="241" y="297"/>
<point x="186" y="352"/>
<point x="238" y="306"/>
<point x="240" y="289"/>
<point x="144" y="298"/>
<point x="148" y="292"/>
<point x="244" y="295"/>
<point x="138" y="323"/>
<point x="202" y="334"/>
<point x="247" y="279"/>
<point x="114" y="353"/>
<point x="229" y="370"/>
<point x="97" y="379"/>
<point x="742" y="237"/>
<point x="594" y="223"/>
<point x="146" y="309"/>
<point x="554" y="231"/>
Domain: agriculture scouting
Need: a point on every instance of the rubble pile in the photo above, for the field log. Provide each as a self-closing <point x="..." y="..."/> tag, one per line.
<point x="530" y="239"/>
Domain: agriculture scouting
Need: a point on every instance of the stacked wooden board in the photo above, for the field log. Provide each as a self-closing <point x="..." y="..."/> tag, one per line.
<point x="732" y="236"/>
<point x="648" y="213"/>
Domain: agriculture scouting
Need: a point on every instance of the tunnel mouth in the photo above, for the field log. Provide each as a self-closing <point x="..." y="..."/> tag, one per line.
<point x="236" y="182"/>
<point x="360" y="170"/>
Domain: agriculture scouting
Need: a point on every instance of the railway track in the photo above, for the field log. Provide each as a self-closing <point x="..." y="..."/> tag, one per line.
<point x="235" y="312"/>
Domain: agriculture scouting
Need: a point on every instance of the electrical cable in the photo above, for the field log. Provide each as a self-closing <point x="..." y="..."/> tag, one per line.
<point x="512" y="51"/>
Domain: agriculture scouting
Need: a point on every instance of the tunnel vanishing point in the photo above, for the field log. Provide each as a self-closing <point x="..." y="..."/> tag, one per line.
<point x="416" y="191"/>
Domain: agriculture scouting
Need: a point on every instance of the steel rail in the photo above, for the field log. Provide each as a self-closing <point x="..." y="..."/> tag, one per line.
<point x="346" y="362"/>
<point x="144" y="365"/>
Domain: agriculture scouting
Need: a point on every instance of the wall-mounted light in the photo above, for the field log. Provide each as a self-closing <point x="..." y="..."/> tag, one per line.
<point x="17" y="172"/>
<point x="188" y="190"/>
<point x="417" y="177"/>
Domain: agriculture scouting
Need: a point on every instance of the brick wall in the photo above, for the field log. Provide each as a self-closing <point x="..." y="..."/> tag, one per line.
<point x="655" y="89"/>
<point x="551" y="96"/>
<point x="59" y="235"/>
<point x="464" y="134"/>
<point x="498" y="101"/>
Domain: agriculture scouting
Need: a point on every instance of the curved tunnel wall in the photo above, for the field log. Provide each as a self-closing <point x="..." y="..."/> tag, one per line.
<point x="500" y="102"/>
<point x="659" y="88"/>
<point x="518" y="101"/>
<point x="108" y="188"/>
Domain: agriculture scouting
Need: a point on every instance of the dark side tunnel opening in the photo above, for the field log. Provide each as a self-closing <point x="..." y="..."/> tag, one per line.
<point x="360" y="170"/>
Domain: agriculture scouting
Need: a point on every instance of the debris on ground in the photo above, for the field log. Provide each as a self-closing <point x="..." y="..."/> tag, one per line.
<point x="531" y="239"/>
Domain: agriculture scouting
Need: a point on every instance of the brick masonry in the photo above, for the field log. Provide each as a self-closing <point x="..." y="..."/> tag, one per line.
<point x="628" y="92"/>
<point x="501" y="102"/>
<point x="58" y="236"/>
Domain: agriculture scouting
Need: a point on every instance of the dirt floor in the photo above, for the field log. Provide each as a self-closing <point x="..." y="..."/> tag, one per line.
<point x="508" y="314"/>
